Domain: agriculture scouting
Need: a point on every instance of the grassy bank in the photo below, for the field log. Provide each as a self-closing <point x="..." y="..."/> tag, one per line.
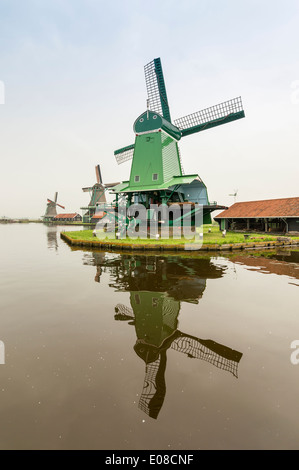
<point x="212" y="237"/>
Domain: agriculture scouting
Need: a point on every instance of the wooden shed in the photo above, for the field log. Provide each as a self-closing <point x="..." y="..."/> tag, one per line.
<point x="270" y="215"/>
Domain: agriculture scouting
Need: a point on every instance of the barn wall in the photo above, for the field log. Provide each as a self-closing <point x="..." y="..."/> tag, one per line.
<point x="293" y="225"/>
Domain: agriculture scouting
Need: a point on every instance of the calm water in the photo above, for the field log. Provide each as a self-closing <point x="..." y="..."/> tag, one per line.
<point x="126" y="351"/>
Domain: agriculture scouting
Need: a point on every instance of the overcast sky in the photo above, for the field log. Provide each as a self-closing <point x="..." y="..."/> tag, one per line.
<point x="74" y="84"/>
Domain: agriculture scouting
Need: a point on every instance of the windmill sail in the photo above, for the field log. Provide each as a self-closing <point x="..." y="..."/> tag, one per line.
<point x="124" y="154"/>
<point x="217" y="354"/>
<point x="154" y="387"/>
<point x="156" y="90"/>
<point x="98" y="174"/>
<point x="211" y="117"/>
<point x="53" y="203"/>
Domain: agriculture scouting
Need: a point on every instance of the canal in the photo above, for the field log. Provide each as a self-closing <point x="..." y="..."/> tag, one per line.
<point x="122" y="351"/>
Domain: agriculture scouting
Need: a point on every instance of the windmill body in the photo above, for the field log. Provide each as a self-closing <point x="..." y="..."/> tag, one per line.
<point x="156" y="175"/>
<point x="97" y="197"/>
<point x="51" y="210"/>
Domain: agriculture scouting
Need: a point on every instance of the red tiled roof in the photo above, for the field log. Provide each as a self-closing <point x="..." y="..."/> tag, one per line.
<point x="99" y="215"/>
<point x="66" y="216"/>
<point x="287" y="207"/>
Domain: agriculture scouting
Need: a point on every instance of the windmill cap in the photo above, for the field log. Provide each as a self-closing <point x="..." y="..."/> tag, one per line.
<point x="150" y="121"/>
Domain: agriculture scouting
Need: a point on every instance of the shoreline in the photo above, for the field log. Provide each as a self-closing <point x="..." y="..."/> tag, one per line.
<point x="118" y="245"/>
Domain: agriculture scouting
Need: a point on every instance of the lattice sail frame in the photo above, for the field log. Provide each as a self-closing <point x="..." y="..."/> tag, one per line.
<point x="207" y="115"/>
<point x="125" y="154"/>
<point x="123" y="313"/>
<point x="195" y="349"/>
<point x="149" y="386"/>
<point x="156" y="90"/>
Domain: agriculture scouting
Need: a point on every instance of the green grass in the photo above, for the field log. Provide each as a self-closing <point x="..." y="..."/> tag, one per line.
<point x="214" y="237"/>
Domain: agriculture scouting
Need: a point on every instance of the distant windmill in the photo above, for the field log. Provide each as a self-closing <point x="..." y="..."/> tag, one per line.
<point x="51" y="211"/>
<point x="97" y="196"/>
<point x="234" y="194"/>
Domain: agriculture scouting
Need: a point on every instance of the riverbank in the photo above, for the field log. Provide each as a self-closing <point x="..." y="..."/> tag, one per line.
<point x="78" y="224"/>
<point x="20" y="221"/>
<point x="212" y="241"/>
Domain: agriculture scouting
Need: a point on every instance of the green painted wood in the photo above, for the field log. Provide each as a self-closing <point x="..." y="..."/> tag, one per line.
<point x="152" y="121"/>
<point x="162" y="89"/>
<point x="155" y="154"/>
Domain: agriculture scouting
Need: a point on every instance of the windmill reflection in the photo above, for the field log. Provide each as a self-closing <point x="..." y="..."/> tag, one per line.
<point x="156" y="331"/>
<point x="98" y="260"/>
<point x="52" y="237"/>
<point x="158" y="285"/>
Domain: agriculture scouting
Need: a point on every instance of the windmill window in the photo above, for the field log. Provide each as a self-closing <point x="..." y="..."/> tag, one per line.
<point x="154" y="117"/>
<point x="141" y="120"/>
<point x="155" y="176"/>
<point x="137" y="179"/>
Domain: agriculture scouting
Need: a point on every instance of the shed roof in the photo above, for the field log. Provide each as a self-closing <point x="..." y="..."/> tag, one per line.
<point x="269" y="208"/>
<point x="98" y="215"/>
<point x="66" y="216"/>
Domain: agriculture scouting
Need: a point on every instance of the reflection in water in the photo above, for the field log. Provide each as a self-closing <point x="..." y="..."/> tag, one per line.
<point x="53" y="233"/>
<point x="98" y="260"/>
<point x="282" y="262"/>
<point x="184" y="279"/>
<point x="157" y="286"/>
<point x="52" y="237"/>
<point x="155" y="321"/>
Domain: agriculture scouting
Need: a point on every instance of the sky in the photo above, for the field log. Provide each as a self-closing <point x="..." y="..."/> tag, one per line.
<point x="72" y="84"/>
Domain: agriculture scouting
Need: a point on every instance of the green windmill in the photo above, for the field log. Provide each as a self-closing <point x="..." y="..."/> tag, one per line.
<point x="156" y="175"/>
